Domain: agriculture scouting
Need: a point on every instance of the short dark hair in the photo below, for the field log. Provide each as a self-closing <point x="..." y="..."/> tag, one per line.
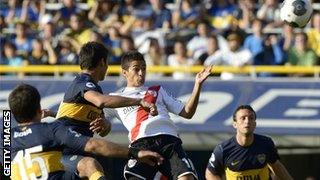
<point x="91" y="54"/>
<point x="248" y="107"/>
<point x="24" y="102"/>
<point x="130" y="56"/>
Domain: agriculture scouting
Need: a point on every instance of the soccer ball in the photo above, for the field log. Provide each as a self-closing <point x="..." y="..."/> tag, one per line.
<point x="296" y="13"/>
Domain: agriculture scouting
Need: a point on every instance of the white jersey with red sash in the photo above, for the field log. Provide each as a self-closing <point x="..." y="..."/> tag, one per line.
<point x="139" y="122"/>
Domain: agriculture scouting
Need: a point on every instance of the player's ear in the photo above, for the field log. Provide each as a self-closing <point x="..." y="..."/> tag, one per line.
<point x="124" y="72"/>
<point x="234" y="124"/>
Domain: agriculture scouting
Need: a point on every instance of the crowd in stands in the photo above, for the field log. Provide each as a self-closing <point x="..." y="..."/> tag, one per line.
<point x="167" y="32"/>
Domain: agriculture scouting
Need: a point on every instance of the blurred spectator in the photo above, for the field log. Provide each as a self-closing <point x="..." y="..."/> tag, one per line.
<point x="42" y="53"/>
<point x="300" y="54"/>
<point x="221" y="13"/>
<point x="247" y="13"/>
<point x="12" y="12"/>
<point x="68" y="9"/>
<point x="213" y="50"/>
<point x="127" y="44"/>
<point x="96" y="36"/>
<point x="186" y="16"/>
<point x="49" y="33"/>
<point x="236" y="56"/>
<point x="66" y="55"/>
<point x="314" y="33"/>
<point x="254" y="43"/>
<point x="101" y="13"/>
<point x="32" y="11"/>
<point x="10" y="56"/>
<point x="114" y="42"/>
<point x="197" y="45"/>
<point x="272" y="54"/>
<point x="155" y="57"/>
<point x="270" y="13"/>
<point x="126" y="9"/>
<point x="287" y="40"/>
<point x="78" y="34"/>
<point x="235" y="28"/>
<point x="161" y="15"/>
<point x="22" y="42"/>
<point x="180" y="58"/>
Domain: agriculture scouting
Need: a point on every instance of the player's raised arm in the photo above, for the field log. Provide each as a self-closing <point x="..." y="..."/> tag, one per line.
<point x="191" y="105"/>
<point x="110" y="101"/>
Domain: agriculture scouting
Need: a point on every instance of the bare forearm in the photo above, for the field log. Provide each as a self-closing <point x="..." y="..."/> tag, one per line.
<point x="105" y="148"/>
<point x="192" y="103"/>
<point x="280" y="171"/>
<point x="118" y="101"/>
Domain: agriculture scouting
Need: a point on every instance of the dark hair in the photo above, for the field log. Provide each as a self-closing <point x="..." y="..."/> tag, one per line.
<point x="91" y="54"/>
<point x="130" y="56"/>
<point x="248" y="107"/>
<point x="24" y="102"/>
<point x="154" y="42"/>
<point x="10" y="45"/>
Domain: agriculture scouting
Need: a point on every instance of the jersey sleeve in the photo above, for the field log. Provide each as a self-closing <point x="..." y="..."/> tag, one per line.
<point x="65" y="136"/>
<point x="273" y="153"/>
<point x="89" y="86"/>
<point x="173" y="105"/>
<point x="215" y="164"/>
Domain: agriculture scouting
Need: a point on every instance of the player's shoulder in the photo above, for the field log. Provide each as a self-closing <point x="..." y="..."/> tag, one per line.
<point x="262" y="138"/>
<point x="86" y="79"/>
<point x="31" y="132"/>
<point x="227" y="144"/>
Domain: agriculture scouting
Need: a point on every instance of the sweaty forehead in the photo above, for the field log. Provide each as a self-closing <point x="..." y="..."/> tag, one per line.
<point x="137" y="64"/>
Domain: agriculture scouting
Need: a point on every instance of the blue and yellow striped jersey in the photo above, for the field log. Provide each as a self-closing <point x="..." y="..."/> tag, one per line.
<point x="75" y="106"/>
<point x="37" y="149"/>
<point x="238" y="162"/>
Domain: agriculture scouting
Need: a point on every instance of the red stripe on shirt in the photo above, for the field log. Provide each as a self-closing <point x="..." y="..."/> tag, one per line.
<point x="142" y="114"/>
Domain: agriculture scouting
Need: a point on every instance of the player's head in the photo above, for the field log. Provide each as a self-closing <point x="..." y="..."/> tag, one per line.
<point x="24" y="102"/>
<point x="133" y="68"/>
<point x="94" y="56"/>
<point x="244" y="119"/>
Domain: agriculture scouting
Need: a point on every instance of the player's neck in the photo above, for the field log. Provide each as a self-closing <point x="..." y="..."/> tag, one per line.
<point x="29" y="122"/>
<point x="92" y="74"/>
<point x="245" y="140"/>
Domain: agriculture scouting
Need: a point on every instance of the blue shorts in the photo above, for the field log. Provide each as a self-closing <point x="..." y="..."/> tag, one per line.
<point x="70" y="163"/>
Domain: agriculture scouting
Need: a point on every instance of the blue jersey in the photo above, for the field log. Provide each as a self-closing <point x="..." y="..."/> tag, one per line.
<point x="37" y="149"/>
<point x="238" y="162"/>
<point x="75" y="110"/>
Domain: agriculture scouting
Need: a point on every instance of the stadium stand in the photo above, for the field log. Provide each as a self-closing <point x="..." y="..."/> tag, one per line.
<point x="40" y="40"/>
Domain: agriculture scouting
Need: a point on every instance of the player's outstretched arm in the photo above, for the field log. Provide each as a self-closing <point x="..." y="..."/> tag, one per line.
<point x="280" y="171"/>
<point x="102" y="101"/>
<point x="110" y="149"/>
<point x="191" y="105"/>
